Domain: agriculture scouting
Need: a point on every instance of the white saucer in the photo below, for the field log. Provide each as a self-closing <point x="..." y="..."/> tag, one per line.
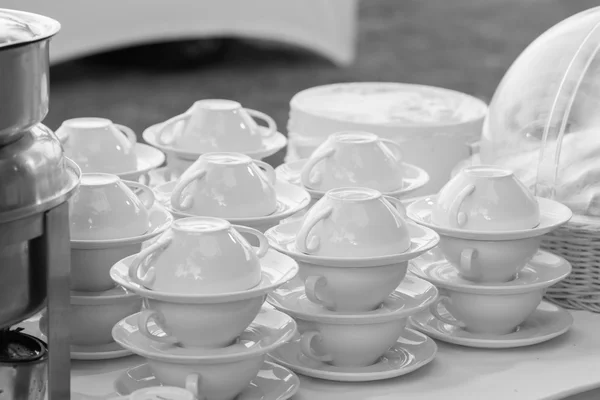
<point x="547" y="322"/>
<point x="552" y="215"/>
<point x="411" y="296"/>
<point x="410" y="353"/>
<point x="276" y="268"/>
<point x="147" y="157"/>
<point x="290" y="200"/>
<point x="273" y="382"/>
<point x="104" y="352"/>
<point x="283" y="238"/>
<point x="542" y="271"/>
<point x="414" y="178"/>
<point x="269" y="330"/>
<point x="271" y="145"/>
<point x="159" y="221"/>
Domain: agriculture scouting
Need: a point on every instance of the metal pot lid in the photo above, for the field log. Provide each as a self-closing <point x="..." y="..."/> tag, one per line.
<point x="36" y="176"/>
<point x="18" y="27"/>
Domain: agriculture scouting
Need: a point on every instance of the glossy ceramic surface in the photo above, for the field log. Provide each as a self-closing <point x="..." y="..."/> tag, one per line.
<point x="154" y="392"/>
<point x="226" y="185"/>
<point x="552" y="215"/>
<point x="545" y="323"/>
<point x="283" y="239"/>
<point x="104" y="352"/>
<point x="216" y="125"/>
<point x="91" y="141"/>
<point x="486" y="198"/>
<point x="354" y="159"/>
<point x="276" y="269"/>
<point x="104" y="207"/>
<point x="200" y="255"/>
<point x="411" y="352"/>
<point x="273" y="382"/>
<point x="354" y="222"/>
<point x="147" y="158"/>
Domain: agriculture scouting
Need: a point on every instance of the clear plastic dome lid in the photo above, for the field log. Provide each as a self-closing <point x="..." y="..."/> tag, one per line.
<point x="544" y="119"/>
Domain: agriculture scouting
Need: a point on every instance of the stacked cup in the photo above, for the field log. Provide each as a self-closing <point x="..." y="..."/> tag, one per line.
<point x="352" y="299"/>
<point x="209" y="126"/>
<point x="202" y="326"/>
<point x="107" y="222"/>
<point x="488" y="267"/>
<point x="99" y="145"/>
<point x="235" y="187"/>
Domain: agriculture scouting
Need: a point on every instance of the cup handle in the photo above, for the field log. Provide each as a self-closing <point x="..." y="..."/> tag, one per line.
<point x="306" y="347"/>
<point x="160" y="135"/>
<point x="267" y="169"/>
<point x="177" y="200"/>
<point x="263" y="243"/>
<point x="147" y="316"/>
<point x="397" y="204"/>
<point x="262" y="116"/>
<point x="310" y="164"/>
<point x="311" y="288"/>
<point x="466" y="259"/>
<point x="128" y="132"/>
<point x="144" y="179"/>
<point x="145" y="257"/>
<point x="193" y="384"/>
<point x="302" y="236"/>
<point x="394" y="148"/>
<point x="145" y="192"/>
<point x="456" y="216"/>
<point x="433" y="309"/>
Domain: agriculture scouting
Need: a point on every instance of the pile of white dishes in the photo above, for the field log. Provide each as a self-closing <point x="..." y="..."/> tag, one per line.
<point x="488" y="266"/>
<point x="355" y="159"/>
<point x="234" y="187"/>
<point x="107" y="223"/>
<point x="99" y="145"/>
<point x="352" y="298"/>
<point x="203" y="326"/>
<point x="210" y="126"/>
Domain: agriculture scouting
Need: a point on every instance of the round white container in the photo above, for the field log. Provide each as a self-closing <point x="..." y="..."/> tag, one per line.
<point x="434" y="125"/>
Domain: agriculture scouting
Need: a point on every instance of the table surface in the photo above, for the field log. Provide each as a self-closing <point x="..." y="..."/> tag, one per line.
<point x="556" y="369"/>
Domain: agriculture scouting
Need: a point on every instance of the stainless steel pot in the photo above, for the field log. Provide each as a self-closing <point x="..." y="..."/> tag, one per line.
<point x="24" y="379"/>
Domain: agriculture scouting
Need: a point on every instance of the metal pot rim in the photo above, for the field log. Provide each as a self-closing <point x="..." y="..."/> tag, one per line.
<point x="40" y="27"/>
<point x="43" y="350"/>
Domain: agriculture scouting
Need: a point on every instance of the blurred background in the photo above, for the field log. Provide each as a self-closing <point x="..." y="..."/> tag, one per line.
<point x="465" y="45"/>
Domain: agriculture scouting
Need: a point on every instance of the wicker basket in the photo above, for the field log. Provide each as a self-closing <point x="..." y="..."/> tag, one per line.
<point x="579" y="243"/>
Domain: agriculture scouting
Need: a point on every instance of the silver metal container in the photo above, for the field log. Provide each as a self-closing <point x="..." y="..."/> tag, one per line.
<point x="24" y="379"/>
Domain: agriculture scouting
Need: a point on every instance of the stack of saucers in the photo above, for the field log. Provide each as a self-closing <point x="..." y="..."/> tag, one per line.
<point x="488" y="267"/>
<point x="352" y="299"/>
<point x="203" y="326"/>
<point x="99" y="145"/>
<point x="355" y="159"/>
<point x="235" y="187"/>
<point x="107" y="222"/>
<point x="209" y="126"/>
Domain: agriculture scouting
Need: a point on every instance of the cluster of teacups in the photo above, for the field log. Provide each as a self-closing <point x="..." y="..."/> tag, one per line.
<point x="488" y="266"/>
<point x="212" y="126"/>
<point x="203" y="325"/>
<point x="108" y="222"/>
<point x="352" y="298"/>
<point x="355" y="159"/>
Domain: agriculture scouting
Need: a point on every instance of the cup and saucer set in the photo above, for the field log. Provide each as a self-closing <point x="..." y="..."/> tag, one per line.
<point x="212" y="126"/>
<point x="352" y="298"/>
<point x="99" y="145"/>
<point x="488" y="266"/>
<point x="203" y="326"/>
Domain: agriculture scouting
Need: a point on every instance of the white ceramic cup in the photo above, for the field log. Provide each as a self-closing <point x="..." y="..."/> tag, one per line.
<point x="99" y="145"/>
<point x="351" y="289"/>
<point x="104" y="207"/>
<point x="200" y="255"/>
<point x="354" y="222"/>
<point x="214" y="125"/>
<point x="226" y="185"/>
<point x="165" y="392"/>
<point x="354" y="159"/>
<point x="490" y="261"/>
<point x="211" y="325"/>
<point x="348" y="345"/>
<point x="494" y="314"/>
<point x="486" y="198"/>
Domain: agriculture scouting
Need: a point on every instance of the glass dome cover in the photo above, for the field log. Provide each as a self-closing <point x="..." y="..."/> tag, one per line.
<point x="544" y="118"/>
